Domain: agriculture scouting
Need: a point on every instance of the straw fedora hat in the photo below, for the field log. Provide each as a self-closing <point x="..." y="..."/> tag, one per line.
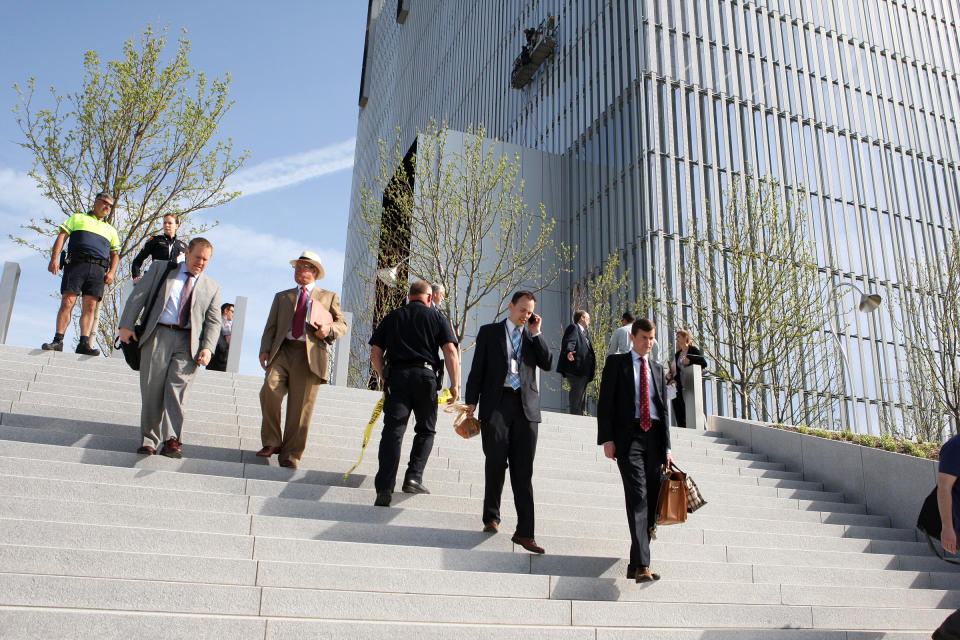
<point x="312" y="258"/>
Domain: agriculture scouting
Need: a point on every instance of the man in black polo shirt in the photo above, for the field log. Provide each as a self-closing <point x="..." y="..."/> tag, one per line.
<point x="91" y="264"/>
<point x="408" y="339"/>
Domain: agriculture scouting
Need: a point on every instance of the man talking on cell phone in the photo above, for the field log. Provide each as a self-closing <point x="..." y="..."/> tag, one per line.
<point x="503" y="379"/>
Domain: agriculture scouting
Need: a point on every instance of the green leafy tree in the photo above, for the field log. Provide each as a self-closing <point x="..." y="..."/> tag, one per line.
<point x="454" y="215"/>
<point x="140" y="128"/>
<point x="605" y="295"/>
<point x="752" y="280"/>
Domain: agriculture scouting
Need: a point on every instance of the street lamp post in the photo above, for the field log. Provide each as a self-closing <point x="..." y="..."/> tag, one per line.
<point x="868" y="304"/>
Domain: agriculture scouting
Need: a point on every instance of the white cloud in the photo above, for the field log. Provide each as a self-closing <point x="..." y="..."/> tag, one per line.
<point x="20" y="200"/>
<point x="288" y="170"/>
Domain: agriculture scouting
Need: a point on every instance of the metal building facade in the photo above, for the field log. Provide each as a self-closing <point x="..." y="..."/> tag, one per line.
<point x="658" y="103"/>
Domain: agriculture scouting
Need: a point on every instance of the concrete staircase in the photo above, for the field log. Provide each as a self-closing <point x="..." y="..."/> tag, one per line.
<point x="98" y="542"/>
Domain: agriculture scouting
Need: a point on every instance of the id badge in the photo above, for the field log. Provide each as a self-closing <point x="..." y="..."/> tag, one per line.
<point x="514" y="368"/>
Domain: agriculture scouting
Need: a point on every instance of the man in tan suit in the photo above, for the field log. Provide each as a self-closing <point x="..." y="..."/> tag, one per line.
<point x="293" y="351"/>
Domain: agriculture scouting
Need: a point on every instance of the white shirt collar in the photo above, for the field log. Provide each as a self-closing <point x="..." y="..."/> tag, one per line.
<point x="308" y="286"/>
<point x="510" y="326"/>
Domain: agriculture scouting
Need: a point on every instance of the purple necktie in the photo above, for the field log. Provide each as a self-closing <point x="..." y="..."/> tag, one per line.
<point x="300" y="315"/>
<point x="183" y="313"/>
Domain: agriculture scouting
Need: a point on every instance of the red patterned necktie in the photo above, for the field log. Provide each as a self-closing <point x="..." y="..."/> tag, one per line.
<point x="644" y="398"/>
<point x="183" y="313"/>
<point x="300" y="315"/>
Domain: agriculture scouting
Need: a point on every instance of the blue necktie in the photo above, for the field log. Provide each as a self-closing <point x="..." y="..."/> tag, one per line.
<point x="514" y="378"/>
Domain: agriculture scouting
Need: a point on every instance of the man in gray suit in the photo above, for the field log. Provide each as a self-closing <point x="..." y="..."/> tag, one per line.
<point x="180" y="335"/>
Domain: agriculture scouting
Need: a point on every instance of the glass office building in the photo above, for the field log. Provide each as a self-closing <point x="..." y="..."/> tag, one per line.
<point x="659" y="103"/>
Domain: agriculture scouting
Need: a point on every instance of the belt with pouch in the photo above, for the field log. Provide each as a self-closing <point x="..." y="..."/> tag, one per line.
<point x="81" y="258"/>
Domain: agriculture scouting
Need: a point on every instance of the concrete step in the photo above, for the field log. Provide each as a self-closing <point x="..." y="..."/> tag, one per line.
<point x="96" y="540"/>
<point x="16" y="494"/>
<point x="433" y="474"/>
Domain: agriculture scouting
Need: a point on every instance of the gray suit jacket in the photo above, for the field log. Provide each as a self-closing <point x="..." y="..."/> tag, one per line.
<point x="205" y="317"/>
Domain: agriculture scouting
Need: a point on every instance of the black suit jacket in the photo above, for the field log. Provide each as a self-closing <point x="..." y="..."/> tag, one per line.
<point x="584" y="361"/>
<point x="616" y="405"/>
<point x="696" y="358"/>
<point x="489" y="370"/>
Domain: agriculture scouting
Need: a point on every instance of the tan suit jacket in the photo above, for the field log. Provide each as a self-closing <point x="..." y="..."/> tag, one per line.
<point x="281" y="316"/>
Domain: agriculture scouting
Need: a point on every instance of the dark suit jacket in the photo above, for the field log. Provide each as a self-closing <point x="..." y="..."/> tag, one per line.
<point x="584" y="361"/>
<point x="489" y="370"/>
<point x="696" y="358"/>
<point x="616" y="408"/>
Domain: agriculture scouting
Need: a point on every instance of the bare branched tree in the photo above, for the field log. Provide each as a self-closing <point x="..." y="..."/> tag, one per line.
<point x="605" y="294"/>
<point x="752" y="280"/>
<point x="455" y="215"/>
<point x="931" y="299"/>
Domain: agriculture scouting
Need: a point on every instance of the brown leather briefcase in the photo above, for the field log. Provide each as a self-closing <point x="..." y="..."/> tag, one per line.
<point x="672" y="502"/>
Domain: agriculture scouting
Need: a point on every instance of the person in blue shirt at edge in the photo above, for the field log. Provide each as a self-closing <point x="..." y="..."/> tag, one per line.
<point x="948" y="497"/>
<point x="91" y="264"/>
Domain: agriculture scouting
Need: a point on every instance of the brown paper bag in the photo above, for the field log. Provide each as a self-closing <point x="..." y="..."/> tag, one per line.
<point x="466" y="426"/>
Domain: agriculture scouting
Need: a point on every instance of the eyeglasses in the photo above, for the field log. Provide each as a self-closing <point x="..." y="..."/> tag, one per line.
<point x="109" y="204"/>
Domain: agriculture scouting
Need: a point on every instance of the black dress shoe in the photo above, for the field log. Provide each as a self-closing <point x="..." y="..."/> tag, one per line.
<point x="383" y="499"/>
<point x="85" y="350"/>
<point x="412" y="486"/>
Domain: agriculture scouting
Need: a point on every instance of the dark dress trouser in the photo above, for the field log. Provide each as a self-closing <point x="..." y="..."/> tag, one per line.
<point x="640" y="473"/>
<point x="409" y="389"/>
<point x="509" y="437"/>
<point x="578" y="393"/>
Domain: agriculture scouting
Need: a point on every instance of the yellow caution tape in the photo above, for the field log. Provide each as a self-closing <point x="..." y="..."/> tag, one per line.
<point x="442" y="398"/>
<point x="377" y="410"/>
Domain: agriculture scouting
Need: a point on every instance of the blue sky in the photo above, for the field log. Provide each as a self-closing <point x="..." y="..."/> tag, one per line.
<point x="295" y="70"/>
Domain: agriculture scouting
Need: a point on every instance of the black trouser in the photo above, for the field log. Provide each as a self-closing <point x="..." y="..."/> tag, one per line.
<point x="578" y="393"/>
<point x="410" y="389"/>
<point x="640" y="473"/>
<point x="680" y="409"/>
<point x="509" y="437"/>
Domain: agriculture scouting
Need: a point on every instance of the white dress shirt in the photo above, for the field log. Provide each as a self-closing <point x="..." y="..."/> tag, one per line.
<point x="171" y="307"/>
<point x="620" y="341"/>
<point x="303" y="338"/>
<point x="651" y="390"/>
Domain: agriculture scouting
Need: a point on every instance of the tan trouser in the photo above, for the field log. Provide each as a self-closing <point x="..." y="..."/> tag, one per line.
<point x="288" y="375"/>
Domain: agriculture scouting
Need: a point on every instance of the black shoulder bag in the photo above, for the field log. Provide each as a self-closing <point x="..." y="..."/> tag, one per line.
<point x="131" y="350"/>
<point x="929" y="523"/>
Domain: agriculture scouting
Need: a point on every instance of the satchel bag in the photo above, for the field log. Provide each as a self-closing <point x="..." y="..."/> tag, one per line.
<point x="930" y="524"/>
<point x="694" y="497"/>
<point x="131" y="350"/>
<point x="672" y="501"/>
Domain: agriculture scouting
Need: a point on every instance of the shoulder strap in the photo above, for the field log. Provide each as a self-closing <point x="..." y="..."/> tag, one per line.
<point x="156" y="292"/>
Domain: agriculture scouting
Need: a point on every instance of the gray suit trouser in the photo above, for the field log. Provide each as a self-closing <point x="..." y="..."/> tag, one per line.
<point x="578" y="393"/>
<point x="167" y="369"/>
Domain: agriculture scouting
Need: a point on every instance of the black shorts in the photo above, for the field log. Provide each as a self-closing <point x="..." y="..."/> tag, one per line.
<point x="83" y="277"/>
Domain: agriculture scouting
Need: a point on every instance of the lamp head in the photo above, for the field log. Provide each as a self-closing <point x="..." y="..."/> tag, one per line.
<point x="388" y="275"/>
<point x="869" y="303"/>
